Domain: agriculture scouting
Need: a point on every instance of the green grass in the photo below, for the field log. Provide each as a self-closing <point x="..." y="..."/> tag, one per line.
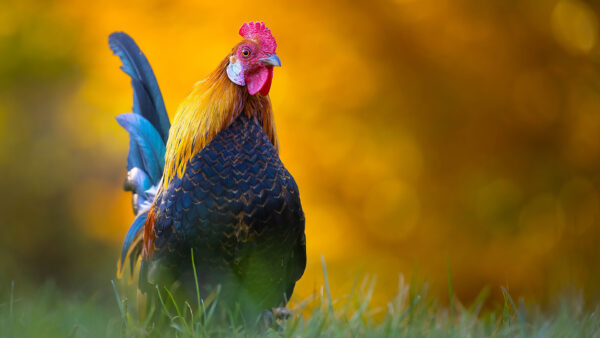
<point x="47" y="313"/>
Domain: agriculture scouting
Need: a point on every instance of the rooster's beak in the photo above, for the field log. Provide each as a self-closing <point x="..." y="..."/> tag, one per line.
<point x="271" y="60"/>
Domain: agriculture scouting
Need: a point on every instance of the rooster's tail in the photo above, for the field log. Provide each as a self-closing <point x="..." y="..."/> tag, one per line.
<point x="148" y="128"/>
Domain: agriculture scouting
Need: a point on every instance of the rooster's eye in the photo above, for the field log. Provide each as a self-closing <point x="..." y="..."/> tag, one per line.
<point x="245" y="52"/>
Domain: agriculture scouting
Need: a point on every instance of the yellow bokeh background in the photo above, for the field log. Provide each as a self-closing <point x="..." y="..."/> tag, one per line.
<point x="425" y="135"/>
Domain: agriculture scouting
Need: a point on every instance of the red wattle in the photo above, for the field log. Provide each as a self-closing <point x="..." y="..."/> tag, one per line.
<point x="264" y="91"/>
<point x="259" y="80"/>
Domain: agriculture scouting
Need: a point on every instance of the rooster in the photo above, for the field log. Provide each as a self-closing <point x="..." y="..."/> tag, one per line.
<point x="212" y="184"/>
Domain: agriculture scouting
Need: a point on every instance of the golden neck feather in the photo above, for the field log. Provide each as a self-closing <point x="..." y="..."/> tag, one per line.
<point x="212" y="106"/>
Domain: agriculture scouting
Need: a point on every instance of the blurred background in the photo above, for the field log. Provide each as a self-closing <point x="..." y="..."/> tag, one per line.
<point x="426" y="136"/>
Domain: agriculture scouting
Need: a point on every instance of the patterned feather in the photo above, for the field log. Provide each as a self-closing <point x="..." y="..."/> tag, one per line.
<point x="239" y="209"/>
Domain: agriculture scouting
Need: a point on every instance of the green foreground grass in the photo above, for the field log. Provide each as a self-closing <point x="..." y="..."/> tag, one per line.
<point x="47" y="313"/>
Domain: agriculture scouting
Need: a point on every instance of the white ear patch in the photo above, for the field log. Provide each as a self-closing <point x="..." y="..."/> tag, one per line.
<point x="235" y="71"/>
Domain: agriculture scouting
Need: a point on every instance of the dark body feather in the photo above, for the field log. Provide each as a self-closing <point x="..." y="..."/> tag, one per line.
<point x="239" y="209"/>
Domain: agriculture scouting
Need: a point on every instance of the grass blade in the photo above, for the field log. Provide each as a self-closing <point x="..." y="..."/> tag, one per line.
<point x="12" y="300"/>
<point x="196" y="280"/>
<point x="174" y="302"/>
<point x="162" y="302"/>
<point x="326" y="280"/>
<point x="450" y="292"/>
<point x="409" y="309"/>
<point x="119" y="302"/>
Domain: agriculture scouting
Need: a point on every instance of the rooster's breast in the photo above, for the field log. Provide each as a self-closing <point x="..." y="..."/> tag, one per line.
<point x="239" y="209"/>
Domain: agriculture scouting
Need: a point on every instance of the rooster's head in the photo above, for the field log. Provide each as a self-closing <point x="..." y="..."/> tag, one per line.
<point x="252" y="61"/>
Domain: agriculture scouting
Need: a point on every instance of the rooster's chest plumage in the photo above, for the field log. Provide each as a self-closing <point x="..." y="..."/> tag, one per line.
<point x="239" y="209"/>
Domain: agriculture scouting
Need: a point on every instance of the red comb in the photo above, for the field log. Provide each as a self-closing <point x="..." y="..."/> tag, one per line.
<point x="258" y="31"/>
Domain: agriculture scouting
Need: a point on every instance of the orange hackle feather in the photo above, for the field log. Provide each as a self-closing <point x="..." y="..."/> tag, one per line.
<point x="212" y="106"/>
<point x="148" y="243"/>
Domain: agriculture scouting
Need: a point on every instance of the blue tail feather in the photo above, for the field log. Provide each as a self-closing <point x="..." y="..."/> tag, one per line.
<point x="149" y="153"/>
<point x="133" y="236"/>
<point x="148" y="100"/>
<point x="148" y="128"/>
